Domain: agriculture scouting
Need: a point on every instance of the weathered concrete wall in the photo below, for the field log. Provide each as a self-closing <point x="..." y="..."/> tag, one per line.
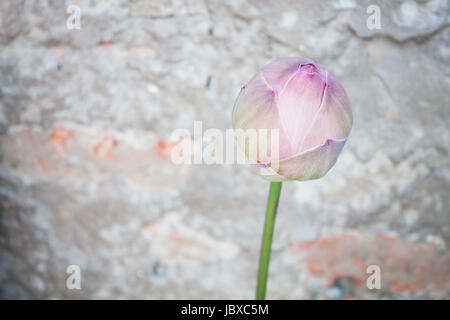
<point x="86" y="177"/>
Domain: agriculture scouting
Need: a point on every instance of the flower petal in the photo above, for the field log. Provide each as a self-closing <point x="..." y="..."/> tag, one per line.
<point x="255" y="108"/>
<point x="311" y="164"/>
<point x="278" y="72"/>
<point x="334" y="118"/>
<point x="267" y="173"/>
<point x="299" y="102"/>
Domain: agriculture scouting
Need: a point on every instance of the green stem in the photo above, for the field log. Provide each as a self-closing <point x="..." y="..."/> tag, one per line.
<point x="266" y="244"/>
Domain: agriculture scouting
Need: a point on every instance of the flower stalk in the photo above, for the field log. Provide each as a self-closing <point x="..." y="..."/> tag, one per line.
<point x="266" y="243"/>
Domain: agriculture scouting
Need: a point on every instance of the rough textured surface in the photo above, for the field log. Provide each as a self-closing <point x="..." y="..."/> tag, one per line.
<point x="86" y="178"/>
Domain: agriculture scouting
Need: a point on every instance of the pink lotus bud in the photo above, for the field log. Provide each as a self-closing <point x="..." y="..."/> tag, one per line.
<point x="308" y="108"/>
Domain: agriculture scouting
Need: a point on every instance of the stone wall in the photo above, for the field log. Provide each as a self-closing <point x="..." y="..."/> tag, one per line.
<point x="86" y="177"/>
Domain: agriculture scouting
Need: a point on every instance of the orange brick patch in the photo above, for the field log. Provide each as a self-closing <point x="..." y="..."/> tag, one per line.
<point x="58" y="139"/>
<point x="406" y="266"/>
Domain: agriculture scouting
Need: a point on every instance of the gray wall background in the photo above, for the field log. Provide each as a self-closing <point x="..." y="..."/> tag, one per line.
<point x="86" y="177"/>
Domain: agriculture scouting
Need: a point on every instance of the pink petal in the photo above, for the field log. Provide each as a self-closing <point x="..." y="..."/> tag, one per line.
<point x="333" y="120"/>
<point x="255" y="108"/>
<point x="299" y="101"/>
<point x="278" y="72"/>
<point x="311" y="164"/>
<point x="267" y="173"/>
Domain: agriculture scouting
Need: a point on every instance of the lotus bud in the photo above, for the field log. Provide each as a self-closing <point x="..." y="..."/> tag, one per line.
<point x="308" y="109"/>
